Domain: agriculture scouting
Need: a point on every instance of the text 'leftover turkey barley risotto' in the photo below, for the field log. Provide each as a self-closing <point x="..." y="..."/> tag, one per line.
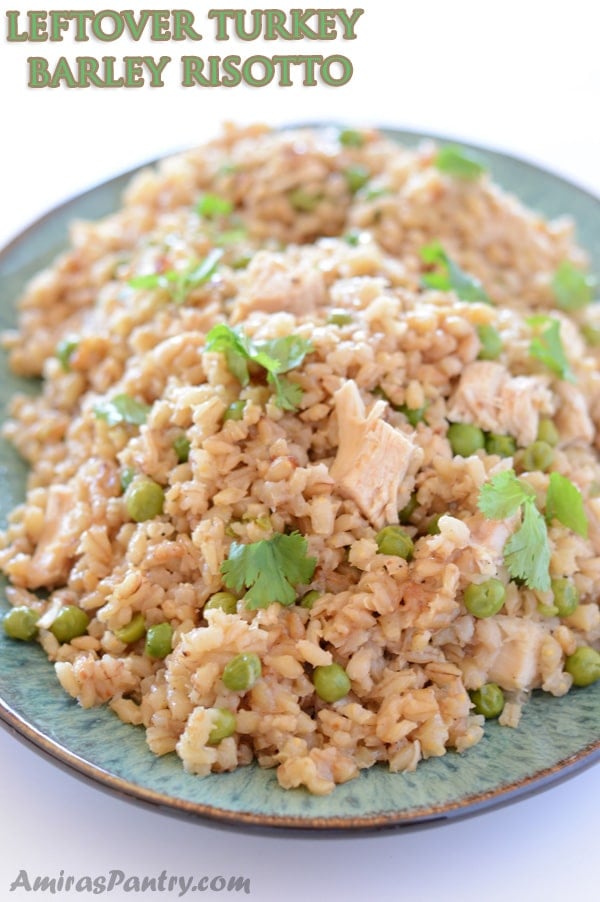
<point x="314" y="469"/>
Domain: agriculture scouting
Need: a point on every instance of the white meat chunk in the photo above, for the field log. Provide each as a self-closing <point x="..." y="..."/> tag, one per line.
<point x="58" y="541"/>
<point x="572" y="419"/>
<point x="375" y="464"/>
<point x="273" y="285"/>
<point x="489" y="397"/>
<point x="516" y="664"/>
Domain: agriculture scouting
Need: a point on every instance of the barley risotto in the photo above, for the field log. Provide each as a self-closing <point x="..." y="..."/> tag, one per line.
<point x="314" y="468"/>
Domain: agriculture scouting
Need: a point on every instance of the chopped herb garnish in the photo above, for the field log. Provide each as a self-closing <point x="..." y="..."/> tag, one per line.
<point x="591" y="334"/>
<point x="353" y="237"/>
<point x="122" y="409"/>
<point x="179" y="282"/>
<point x="227" y="169"/>
<point x="277" y="356"/>
<point x="527" y="551"/>
<point x="126" y="477"/>
<point x="350" y="137"/>
<point x="356" y="177"/>
<point x="339" y="318"/>
<point x="270" y="569"/>
<point x="231" y="236"/>
<point x="235" y="411"/>
<point x="288" y="394"/>
<point x="375" y="193"/>
<point x="573" y="288"/>
<point x="446" y="275"/>
<point x="65" y="350"/>
<point x="546" y="346"/>
<point x="211" y="205"/>
<point x="453" y="160"/>
<point x="503" y="495"/>
<point x="303" y="201"/>
<point x="564" y="503"/>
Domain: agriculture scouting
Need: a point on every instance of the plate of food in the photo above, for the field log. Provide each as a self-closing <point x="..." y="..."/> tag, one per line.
<point x="301" y="508"/>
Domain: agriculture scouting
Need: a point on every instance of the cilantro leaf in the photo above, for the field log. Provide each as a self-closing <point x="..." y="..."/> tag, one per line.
<point x="547" y="347"/>
<point x="269" y="569"/>
<point x="572" y="288"/>
<point x="455" y="161"/>
<point x="446" y="275"/>
<point x="289" y="351"/>
<point x="236" y="346"/>
<point x="287" y="394"/>
<point x="122" y="409"/>
<point x="276" y="356"/>
<point x="564" y="503"/>
<point x="503" y="495"/>
<point x="527" y="552"/>
<point x="179" y="282"/>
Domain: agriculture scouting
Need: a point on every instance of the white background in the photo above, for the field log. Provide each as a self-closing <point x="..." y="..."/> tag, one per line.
<point x="518" y="76"/>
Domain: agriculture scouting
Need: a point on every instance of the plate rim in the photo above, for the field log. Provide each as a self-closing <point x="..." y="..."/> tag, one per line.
<point x="288" y="825"/>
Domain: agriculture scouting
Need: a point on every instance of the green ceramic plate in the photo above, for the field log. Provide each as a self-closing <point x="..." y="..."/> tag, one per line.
<point x="556" y="737"/>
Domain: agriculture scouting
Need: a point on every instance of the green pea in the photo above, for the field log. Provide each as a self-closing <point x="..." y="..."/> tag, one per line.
<point x="465" y="439"/>
<point x="502" y="445"/>
<point x="433" y="527"/>
<point x="339" y="319"/>
<point x="547" y="610"/>
<point x="241" y="262"/>
<point x="395" y="540"/>
<point x="331" y="682"/>
<point x="491" y="343"/>
<point x="144" y="499"/>
<point x="133" y="631"/>
<point x="566" y="596"/>
<point x="65" y="350"/>
<point x="211" y="205"/>
<point x="181" y="447"/>
<point x="235" y="411"/>
<point x="484" y="599"/>
<point x="126" y="477"/>
<point x="350" y="137"/>
<point x="408" y="510"/>
<point x="591" y="335"/>
<point x="159" y="640"/>
<point x="489" y="700"/>
<point x="20" y="623"/>
<point x="308" y="600"/>
<point x="224" y="723"/>
<point x="222" y="601"/>
<point x="303" y="201"/>
<point x="547" y="432"/>
<point x="242" y="672"/>
<point x="584" y="666"/>
<point x="414" y="415"/>
<point x="538" y="456"/>
<point x="69" y="623"/>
